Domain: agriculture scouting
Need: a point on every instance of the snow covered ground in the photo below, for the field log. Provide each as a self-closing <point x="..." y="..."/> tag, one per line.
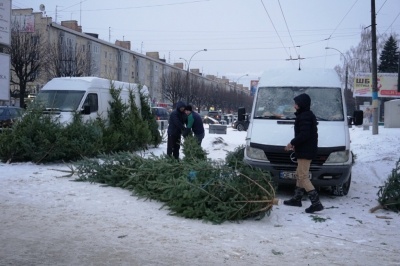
<point x="49" y="220"/>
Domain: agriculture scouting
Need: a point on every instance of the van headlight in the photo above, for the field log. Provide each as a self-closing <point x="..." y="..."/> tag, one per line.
<point x="255" y="153"/>
<point x="338" y="157"/>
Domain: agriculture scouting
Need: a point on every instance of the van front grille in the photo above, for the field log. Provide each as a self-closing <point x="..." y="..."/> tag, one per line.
<point x="277" y="155"/>
<point x="284" y="158"/>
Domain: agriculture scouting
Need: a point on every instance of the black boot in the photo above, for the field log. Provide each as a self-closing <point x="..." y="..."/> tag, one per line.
<point x="315" y="203"/>
<point x="296" y="200"/>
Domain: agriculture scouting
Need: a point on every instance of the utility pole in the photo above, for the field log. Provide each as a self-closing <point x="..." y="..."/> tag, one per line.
<point x="80" y="13"/>
<point x="375" y="101"/>
<point x="56" y="14"/>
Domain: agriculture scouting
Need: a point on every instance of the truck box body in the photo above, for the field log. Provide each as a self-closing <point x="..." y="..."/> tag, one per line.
<point x="64" y="96"/>
<point x="272" y="126"/>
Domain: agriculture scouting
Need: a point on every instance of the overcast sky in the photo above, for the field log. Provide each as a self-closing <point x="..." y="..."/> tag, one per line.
<point x="241" y="36"/>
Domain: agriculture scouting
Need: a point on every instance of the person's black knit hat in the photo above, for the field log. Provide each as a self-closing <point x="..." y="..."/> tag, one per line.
<point x="188" y="107"/>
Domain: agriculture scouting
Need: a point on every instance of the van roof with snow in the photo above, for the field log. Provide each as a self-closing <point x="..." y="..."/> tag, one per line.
<point x="306" y="77"/>
<point x="77" y="83"/>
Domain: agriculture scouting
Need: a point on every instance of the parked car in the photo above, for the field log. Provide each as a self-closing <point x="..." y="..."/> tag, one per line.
<point x="210" y="120"/>
<point x="203" y="114"/>
<point x="215" y="114"/>
<point x="242" y="125"/>
<point x="162" y="115"/>
<point x="8" y="114"/>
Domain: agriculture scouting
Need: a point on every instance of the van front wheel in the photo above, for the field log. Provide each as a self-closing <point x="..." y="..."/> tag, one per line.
<point x="343" y="189"/>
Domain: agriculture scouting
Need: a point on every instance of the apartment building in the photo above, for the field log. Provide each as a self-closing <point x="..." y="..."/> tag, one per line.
<point x="107" y="60"/>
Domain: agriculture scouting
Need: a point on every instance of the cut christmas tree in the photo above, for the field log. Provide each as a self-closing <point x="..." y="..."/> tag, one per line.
<point x="195" y="187"/>
<point x="389" y="193"/>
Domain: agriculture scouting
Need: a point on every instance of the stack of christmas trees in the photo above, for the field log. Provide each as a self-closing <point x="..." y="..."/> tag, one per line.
<point x="194" y="187"/>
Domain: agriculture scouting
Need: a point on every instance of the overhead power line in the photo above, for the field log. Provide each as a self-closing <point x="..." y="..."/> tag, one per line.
<point x="392" y="22"/>
<point x="136" y="7"/>
<point x="287" y="27"/>
<point x="343" y="19"/>
<point x="273" y="25"/>
<point x="381" y="7"/>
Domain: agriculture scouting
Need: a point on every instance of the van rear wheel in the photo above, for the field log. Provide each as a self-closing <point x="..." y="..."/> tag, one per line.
<point x="343" y="189"/>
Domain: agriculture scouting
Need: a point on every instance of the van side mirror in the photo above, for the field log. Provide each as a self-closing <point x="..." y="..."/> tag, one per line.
<point x="86" y="110"/>
<point x="358" y="117"/>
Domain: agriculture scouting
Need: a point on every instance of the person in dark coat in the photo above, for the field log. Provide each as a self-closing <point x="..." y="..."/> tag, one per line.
<point x="195" y="124"/>
<point x="176" y="126"/>
<point x="305" y="146"/>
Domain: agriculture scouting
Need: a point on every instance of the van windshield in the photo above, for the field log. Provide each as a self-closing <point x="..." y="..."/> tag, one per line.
<point x="277" y="103"/>
<point x="60" y="100"/>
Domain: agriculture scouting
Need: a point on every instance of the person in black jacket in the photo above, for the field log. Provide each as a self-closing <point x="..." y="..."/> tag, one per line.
<point x="176" y="126"/>
<point x="195" y="124"/>
<point x="305" y="146"/>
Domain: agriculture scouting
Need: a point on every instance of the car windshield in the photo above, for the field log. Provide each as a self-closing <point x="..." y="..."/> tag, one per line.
<point x="61" y="100"/>
<point x="277" y="103"/>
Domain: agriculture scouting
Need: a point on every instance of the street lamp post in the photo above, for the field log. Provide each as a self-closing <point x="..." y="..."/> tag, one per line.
<point x="245" y="75"/>
<point x="184" y="60"/>
<point x="188" y="72"/>
<point x="346" y="63"/>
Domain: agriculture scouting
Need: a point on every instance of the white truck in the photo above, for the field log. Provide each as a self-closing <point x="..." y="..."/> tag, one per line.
<point x="88" y="95"/>
<point x="272" y="121"/>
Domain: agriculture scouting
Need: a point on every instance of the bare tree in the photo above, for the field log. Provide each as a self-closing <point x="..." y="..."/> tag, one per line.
<point x="68" y="60"/>
<point x="216" y="97"/>
<point x="26" y="52"/>
<point x="201" y="93"/>
<point x="173" y="87"/>
<point x="190" y="90"/>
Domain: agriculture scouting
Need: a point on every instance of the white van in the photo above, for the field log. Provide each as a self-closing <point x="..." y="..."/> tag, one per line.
<point x="272" y="122"/>
<point x="87" y="95"/>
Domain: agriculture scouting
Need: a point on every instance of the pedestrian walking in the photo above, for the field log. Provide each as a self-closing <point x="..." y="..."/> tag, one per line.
<point x="305" y="146"/>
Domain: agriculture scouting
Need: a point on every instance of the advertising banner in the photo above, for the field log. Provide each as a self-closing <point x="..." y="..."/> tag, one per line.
<point x="253" y="87"/>
<point x="4" y="77"/>
<point x="387" y="85"/>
